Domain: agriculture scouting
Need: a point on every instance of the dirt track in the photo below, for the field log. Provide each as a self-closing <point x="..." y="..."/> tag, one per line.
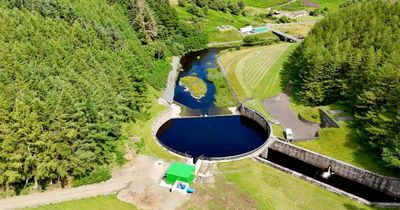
<point x="142" y="167"/>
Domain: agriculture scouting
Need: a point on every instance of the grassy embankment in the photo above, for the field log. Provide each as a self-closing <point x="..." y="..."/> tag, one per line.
<point x="255" y="73"/>
<point x="251" y="185"/>
<point x="142" y="128"/>
<point x="340" y="143"/>
<point x="223" y="95"/>
<point x="96" y="203"/>
<point x="217" y="18"/>
<point x="196" y="86"/>
<point x="343" y="144"/>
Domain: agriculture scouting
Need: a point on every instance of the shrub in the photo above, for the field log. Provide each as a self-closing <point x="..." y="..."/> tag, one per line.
<point x="98" y="175"/>
<point x="311" y="114"/>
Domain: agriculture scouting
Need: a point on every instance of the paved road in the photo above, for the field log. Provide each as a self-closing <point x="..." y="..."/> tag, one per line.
<point x="119" y="181"/>
<point x="279" y="108"/>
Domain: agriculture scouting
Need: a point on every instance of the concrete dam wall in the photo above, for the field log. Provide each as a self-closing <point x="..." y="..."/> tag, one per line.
<point x="388" y="185"/>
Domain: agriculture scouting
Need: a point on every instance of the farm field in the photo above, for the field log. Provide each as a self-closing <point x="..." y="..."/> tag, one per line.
<point x="298" y="5"/>
<point x="217" y="18"/>
<point x="254" y="72"/>
<point x="261" y="3"/>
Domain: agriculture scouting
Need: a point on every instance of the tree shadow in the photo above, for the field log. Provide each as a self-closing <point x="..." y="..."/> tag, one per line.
<point x="365" y="156"/>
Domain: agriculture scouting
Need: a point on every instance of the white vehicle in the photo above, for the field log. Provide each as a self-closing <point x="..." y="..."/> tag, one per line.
<point x="289" y="134"/>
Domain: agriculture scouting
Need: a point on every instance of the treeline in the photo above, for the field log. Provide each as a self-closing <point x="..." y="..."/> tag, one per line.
<point x="353" y="56"/>
<point x="200" y="8"/>
<point x="158" y="25"/>
<point x="70" y="73"/>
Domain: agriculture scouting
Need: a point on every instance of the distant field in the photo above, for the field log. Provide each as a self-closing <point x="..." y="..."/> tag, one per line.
<point x="254" y="72"/>
<point x="261" y="3"/>
<point x="217" y="18"/>
<point x="298" y="5"/>
<point x="95" y="203"/>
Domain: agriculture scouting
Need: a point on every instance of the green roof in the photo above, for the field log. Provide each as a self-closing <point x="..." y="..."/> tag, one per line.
<point x="181" y="170"/>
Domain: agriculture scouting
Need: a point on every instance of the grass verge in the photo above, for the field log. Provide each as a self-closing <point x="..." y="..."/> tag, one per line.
<point x="273" y="189"/>
<point x="342" y="144"/>
<point x="257" y="105"/>
<point x="223" y="95"/>
<point x="96" y="203"/>
<point x="311" y="114"/>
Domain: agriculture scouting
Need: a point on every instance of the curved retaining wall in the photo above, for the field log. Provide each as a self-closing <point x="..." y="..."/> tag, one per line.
<point x="388" y="185"/>
<point x="256" y="116"/>
<point x="245" y="111"/>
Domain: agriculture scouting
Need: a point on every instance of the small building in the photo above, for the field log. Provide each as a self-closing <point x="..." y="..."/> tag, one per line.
<point x="180" y="172"/>
<point x="298" y="14"/>
<point x="246" y="30"/>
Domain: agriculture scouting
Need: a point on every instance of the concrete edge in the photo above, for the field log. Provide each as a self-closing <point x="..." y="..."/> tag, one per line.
<point x="328" y="187"/>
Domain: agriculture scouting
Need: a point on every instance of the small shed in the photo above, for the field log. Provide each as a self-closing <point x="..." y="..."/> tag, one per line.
<point x="180" y="172"/>
<point x="246" y="29"/>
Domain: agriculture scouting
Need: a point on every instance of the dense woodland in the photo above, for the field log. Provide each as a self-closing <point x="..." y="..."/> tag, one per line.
<point x="353" y="56"/>
<point x="200" y="8"/>
<point x="70" y="73"/>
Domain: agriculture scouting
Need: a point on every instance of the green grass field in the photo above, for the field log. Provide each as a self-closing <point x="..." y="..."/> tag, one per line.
<point x="340" y="143"/>
<point x="261" y="3"/>
<point x="332" y="5"/>
<point x="96" y="203"/>
<point x="254" y="72"/>
<point x="216" y="18"/>
<point x="273" y="189"/>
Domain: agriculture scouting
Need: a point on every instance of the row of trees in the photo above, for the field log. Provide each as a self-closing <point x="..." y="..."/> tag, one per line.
<point x="70" y="73"/>
<point x="200" y="7"/>
<point x="353" y="56"/>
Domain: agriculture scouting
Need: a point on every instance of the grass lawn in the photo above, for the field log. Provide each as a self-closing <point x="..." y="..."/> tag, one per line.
<point x="225" y="36"/>
<point x="96" y="203"/>
<point x="295" y="29"/>
<point x="341" y="144"/>
<point x="332" y="5"/>
<point x="194" y="85"/>
<point x="311" y="114"/>
<point x="273" y="189"/>
<point x="254" y="72"/>
<point x="261" y="3"/>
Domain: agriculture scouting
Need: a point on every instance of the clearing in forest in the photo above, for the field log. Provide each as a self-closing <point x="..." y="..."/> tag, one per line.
<point x="255" y="72"/>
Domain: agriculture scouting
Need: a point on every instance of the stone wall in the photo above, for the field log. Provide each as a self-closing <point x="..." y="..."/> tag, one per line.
<point x="327" y="121"/>
<point x="388" y="185"/>
<point x="254" y="115"/>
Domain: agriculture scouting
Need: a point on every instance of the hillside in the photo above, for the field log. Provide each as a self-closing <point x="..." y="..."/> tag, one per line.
<point x="353" y="56"/>
<point x="71" y="73"/>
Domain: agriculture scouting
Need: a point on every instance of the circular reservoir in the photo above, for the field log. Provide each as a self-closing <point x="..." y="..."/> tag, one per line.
<point x="212" y="137"/>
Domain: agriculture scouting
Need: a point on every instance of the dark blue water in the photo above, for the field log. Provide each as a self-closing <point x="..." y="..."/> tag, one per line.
<point x="197" y="63"/>
<point x="337" y="181"/>
<point x="212" y="136"/>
